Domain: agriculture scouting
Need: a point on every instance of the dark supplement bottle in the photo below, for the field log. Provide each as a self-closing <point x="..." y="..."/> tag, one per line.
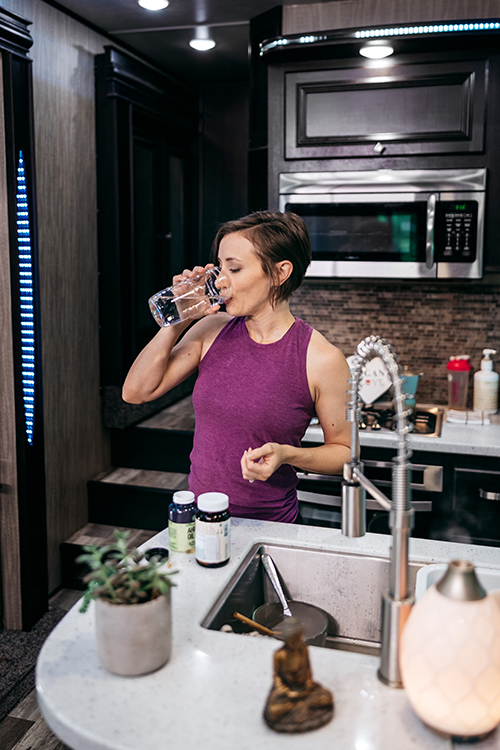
<point x="181" y="514"/>
<point x="213" y="530"/>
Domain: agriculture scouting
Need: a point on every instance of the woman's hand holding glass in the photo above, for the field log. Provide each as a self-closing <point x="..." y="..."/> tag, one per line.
<point x="193" y="295"/>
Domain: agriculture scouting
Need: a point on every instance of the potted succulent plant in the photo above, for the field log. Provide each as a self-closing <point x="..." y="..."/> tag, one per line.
<point x="133" y="606"/>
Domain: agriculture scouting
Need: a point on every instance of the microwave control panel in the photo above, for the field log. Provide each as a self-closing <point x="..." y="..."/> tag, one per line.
<point x="456" y="231"/>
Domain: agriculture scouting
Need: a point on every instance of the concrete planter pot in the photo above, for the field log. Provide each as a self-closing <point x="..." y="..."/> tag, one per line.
<point x="134" y="639"/>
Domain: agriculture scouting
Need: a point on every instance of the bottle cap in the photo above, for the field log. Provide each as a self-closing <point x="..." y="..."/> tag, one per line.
<point x="486" y="363"/>
<point x="459" y="363"/>
<point x="213" y="502"/>
<point x="183" y="497"/>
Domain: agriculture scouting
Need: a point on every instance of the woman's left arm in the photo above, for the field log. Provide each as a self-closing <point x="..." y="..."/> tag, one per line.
<point x="328" y="376"/>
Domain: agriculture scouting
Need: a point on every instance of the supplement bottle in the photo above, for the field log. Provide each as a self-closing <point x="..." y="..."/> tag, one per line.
<point x="181" y="514"/>
<point x="213" y="530"/>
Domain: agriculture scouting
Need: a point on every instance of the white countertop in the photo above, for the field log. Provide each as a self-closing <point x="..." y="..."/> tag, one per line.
<point x="467" y="439"/>
<point x="212" y="692"/>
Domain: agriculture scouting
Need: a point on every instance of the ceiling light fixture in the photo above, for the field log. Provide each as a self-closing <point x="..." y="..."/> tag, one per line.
<point x="153" y="4"/>
<point x="376" y="50"/>
<point x="202" y="41"/>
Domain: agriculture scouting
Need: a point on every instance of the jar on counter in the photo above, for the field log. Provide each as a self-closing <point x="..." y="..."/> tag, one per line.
<point x="213" y="530"/>
<point x="181" y="515"/>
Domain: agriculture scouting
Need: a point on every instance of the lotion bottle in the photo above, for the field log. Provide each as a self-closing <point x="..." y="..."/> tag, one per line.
<point x="486" y="385"/>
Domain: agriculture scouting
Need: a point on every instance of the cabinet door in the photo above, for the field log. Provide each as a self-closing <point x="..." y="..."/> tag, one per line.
<point x="476" y="505"/>
<point x="413" y="109"/>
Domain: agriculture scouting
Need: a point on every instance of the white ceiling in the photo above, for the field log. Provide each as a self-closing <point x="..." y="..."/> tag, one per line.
<point x="163" y="37"/>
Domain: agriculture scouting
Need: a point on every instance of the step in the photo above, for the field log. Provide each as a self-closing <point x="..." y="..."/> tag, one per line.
<point x="92" y="533"/>
<point x="160" y="443"/>
<point x="134" y="498"/>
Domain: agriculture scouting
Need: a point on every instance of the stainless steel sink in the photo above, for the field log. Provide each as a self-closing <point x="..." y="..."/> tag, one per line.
<point x="347" y="586"/>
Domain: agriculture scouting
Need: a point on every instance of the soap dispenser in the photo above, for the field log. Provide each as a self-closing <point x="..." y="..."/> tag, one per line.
<point x="486" y="385"/>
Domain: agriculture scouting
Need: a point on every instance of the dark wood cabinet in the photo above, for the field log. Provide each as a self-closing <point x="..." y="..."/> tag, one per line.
<point x="409" y="109"/>
<point x="464" y="506"/>
<point x="475" y="502"/>
<point x="147" y="179"/>
<point x="456" y="497"/>
<point x="262" y="27"/>
<point x="23" y="506"/>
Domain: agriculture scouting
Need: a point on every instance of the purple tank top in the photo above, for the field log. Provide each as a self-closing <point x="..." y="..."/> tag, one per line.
<point x="248" y="394"/>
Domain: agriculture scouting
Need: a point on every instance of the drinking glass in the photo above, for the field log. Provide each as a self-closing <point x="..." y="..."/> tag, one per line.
<point x="190" y="298"/>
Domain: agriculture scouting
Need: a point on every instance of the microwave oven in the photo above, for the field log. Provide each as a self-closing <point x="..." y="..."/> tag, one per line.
<point x="391" y="223"/>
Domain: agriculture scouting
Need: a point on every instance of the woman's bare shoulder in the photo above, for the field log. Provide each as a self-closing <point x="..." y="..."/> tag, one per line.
<point x="208" y="328"/>
<point x="326" y="368"/>
<point x="324" y="352"/>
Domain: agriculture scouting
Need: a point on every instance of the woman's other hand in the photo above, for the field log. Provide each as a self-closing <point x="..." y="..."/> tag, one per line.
<point x="262" y="462"/>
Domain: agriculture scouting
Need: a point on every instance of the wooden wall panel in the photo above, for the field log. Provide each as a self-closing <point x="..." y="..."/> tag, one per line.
<point x="9" y="519"/>
<point x="76" y="443"/>
<point x="345" y="14"/>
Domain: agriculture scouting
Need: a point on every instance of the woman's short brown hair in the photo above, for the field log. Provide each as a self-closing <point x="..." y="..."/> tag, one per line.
<point x="276" y="236"/>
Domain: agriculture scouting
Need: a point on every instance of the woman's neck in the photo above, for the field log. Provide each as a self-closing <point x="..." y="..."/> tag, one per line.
<point x="271" y="324"/>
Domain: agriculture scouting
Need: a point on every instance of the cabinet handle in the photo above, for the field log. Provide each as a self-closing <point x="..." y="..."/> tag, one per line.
<point x="429" y="238"/>
<point x="489" y="495"/>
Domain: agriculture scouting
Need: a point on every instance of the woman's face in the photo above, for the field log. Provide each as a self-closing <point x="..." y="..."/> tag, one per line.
<point x="250" y="285"/>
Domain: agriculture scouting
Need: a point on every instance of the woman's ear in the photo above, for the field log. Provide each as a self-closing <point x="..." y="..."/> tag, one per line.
<point x="284" y="268"/>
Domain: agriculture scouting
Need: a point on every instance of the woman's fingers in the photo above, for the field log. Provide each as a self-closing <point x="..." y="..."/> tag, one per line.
<point x="246" y="466"/>
<point x="260" y="463"/>
<point x="189" y="273"/>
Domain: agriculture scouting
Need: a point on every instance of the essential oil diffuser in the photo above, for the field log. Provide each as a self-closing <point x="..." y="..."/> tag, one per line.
<point x="450" y="655"/>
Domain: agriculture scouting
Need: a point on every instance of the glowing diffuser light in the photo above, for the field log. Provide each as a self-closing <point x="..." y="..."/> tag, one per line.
<point x="450" y="655"/>
<point x="376" y="50"/>
<point x="153" y="4"/>
<point x="202" y="41"/>
<point x="26" y="298"/>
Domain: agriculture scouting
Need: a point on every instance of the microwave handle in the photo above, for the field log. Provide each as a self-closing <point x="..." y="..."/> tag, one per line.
<point x="429" y="235"/>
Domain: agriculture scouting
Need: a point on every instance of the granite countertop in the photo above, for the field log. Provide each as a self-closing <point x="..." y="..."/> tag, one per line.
<point x="212" y="692"/>
<point x="468" y="439"/>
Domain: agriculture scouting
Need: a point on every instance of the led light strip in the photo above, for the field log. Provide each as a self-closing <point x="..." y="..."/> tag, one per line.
<point x="307" y="39"/>
<point x="440" y="28"/>
<point x="429" y="29"/>
<point x="26" y="306"/>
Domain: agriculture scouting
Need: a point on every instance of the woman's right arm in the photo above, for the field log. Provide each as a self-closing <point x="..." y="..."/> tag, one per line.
<point x="164" y="363"/>
<point x="161" y="366"/>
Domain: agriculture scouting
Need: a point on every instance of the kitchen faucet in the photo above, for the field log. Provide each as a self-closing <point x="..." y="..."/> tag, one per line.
<point x="396" y="601"/>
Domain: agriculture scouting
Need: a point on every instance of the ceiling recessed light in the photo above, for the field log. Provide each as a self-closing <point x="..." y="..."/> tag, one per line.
<point x="202" y="45"/>
<point x="202" y="41"/>
<point x="153" y="4"/>
<point x="376" y="50"/>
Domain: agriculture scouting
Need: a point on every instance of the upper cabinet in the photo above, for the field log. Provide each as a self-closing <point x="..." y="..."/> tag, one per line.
<point x="409" y="109"/>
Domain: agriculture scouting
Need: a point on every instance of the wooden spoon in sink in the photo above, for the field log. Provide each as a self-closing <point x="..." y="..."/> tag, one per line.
<point x="257" y="626"/>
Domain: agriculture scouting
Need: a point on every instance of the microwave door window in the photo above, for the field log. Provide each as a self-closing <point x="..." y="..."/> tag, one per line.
<point x="369" y="232"/>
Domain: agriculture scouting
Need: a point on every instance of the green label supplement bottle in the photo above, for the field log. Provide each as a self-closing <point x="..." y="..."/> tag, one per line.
<point x="181" y="515"/>
<point x="213" y="530"/>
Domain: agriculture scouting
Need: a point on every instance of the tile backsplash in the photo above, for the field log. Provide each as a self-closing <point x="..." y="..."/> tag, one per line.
<point x="426" y="322"/>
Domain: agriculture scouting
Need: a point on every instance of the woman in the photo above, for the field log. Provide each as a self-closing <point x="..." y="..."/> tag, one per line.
<point x="262" y="374"/>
